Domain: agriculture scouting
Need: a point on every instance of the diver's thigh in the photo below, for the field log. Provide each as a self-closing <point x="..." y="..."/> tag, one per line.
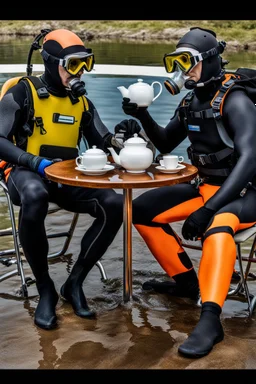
<point x="19" y="179"/>
<point x="161" y="199"/>
<point x="243" y="207"/>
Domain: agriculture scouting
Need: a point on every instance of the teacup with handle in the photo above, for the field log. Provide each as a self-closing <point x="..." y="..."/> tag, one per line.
<point x="93" y="158"/>
<point x="171" y="161"/>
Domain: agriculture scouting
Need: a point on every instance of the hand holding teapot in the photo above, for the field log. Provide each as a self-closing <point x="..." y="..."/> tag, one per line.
<point x="141" y="93"/>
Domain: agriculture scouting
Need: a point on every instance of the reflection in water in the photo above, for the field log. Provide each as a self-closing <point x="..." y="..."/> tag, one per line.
<point x="143" y="333"/>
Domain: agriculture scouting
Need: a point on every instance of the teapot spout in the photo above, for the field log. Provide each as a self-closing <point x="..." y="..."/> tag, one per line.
<point x="124" y="91"/>
<point x="114" y="155"/>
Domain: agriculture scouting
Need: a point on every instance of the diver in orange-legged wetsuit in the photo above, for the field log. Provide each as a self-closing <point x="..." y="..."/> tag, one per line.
<point x="219" y="202"/>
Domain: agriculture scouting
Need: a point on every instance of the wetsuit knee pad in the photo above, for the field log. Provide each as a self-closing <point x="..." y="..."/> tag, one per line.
<point x="223" y="229"/>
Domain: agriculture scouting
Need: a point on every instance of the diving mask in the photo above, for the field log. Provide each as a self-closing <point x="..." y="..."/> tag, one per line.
<point x="186" y="58"/>
<point x="73" y="63"/>
<point x="176" y="82"/>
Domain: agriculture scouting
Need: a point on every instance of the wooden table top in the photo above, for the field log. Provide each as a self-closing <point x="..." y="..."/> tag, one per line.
<point x="64" y="172"/>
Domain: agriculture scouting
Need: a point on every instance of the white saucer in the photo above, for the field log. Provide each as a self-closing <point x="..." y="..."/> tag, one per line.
<point x="175" y="170"/>
<point x="96" y="172"/>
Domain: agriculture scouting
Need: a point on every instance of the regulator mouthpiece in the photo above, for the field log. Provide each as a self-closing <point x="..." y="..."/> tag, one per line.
<point x="77" y="87"/>
<point x="175" y="82"/>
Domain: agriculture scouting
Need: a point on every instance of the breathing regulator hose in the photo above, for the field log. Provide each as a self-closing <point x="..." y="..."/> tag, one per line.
<point x="34" y="47"/>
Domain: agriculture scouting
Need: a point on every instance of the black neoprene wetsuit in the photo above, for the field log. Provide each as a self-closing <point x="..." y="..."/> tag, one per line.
<point x="32" y="193"/>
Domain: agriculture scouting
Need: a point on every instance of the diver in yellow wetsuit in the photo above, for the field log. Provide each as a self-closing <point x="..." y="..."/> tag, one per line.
<point x="42" y="120"/>
<point x="221" y="201"/>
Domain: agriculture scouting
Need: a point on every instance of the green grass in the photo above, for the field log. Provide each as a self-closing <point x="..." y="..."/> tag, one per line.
<point x="244" y="31"/>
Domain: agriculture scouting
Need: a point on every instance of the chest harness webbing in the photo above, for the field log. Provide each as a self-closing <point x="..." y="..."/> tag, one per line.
<point x="214" y="112"/>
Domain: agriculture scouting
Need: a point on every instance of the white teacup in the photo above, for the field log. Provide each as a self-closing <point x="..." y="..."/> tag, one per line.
<point x="91" y="163"/>
<point x="171" y="161"/>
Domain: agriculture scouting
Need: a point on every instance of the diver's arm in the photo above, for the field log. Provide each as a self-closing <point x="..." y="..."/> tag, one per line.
<point x="164" y="139"/>
<point x="96" y="133"/>
<point x="11" y="118"/>
<point x="94" y="130"/>
<point x="239" y="114"/>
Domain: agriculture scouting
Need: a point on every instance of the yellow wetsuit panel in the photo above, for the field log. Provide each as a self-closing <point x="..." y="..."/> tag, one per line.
<point x="61" y="121"/>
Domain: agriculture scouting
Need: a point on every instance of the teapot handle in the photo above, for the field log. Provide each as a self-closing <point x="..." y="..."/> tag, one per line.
<point x="160" y="89"/>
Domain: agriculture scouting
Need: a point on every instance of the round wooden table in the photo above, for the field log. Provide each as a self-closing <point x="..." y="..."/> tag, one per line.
<point x="64" y="172"/>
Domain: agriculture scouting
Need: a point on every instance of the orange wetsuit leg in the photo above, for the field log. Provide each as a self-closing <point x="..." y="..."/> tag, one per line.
<point x="218" y="258"/>
<point x="166" y="246"/>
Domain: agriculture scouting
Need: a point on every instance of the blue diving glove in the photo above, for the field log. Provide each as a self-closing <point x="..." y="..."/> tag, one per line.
<point x="42" y="165"/>
<point x="36" y="163"/>
<point x="196" y="223"/>
<point x="131" y="108"/>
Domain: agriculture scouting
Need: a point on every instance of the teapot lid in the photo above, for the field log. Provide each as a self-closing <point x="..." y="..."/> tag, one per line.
<point x="140" y="82"/>
<point x="94" y="151"/>
<point x="134" y="140"/>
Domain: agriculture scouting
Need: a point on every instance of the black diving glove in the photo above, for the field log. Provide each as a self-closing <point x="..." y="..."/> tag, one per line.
<point x="123" y="131"/>
<point x="131" y="108"/>
<point x="36" y="163"/>
<point x="127" y="128"/>
<point x="196" y="223"/>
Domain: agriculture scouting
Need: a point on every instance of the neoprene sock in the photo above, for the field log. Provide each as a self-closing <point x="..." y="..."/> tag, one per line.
<point x="72" y="292"/>
<point x="206" y="334"/>
<point x="185" y="285"/>
<point x="45" y="315"/>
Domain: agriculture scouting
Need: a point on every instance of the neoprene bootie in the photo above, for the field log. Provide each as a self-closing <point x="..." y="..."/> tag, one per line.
<point x="72" y="292"/>
<point x="206" y="334"/>
<point x="185" y="285"/>
<point x="45" y="315"/>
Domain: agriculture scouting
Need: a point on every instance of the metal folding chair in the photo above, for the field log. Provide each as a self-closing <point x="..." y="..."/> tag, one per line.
<point x="241" y="287"/>
<point x="13" y="257"/>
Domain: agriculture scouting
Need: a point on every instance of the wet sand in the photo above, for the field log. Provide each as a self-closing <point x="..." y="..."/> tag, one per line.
<point x="142" y="334"/>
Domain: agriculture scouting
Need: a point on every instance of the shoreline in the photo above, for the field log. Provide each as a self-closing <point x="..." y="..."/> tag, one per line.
<point x="142" y="32"/>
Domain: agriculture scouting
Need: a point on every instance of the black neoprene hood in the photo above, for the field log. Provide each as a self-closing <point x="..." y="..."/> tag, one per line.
<point x="202" y="40"/>
<point x="59" y="43"/>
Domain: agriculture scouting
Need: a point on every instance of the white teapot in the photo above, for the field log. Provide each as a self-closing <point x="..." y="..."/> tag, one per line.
<point x="141" y="93"/>
<point x="93" y="158"/>
<point x="135" y="157"/>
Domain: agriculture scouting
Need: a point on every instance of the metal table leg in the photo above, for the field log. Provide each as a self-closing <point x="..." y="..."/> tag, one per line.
<point x="127" y="250"/>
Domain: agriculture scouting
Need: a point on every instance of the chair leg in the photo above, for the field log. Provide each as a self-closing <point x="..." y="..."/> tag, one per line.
<point x="8" y="261"/>
<point x="68" y="234"/>
<point x="242" y="286"/>
<point x="14" y="232"/>
<point x="102" y="271"/>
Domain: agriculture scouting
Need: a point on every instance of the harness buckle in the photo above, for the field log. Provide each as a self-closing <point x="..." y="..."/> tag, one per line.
<point x="216" y="103"/>
<point x="201" y="159"/>
<point x="40" y="124"/>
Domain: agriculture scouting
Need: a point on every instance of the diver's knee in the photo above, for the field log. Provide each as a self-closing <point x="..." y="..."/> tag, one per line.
<point x="113" y="204"/>
<point x="217" y="230"/>
<point x="138" y="211"/>
<point x="33" y="195"/>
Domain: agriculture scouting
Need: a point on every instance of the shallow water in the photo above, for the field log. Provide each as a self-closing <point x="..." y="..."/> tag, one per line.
<point x="141" y="334"/>
<point x="144" y="333"/>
